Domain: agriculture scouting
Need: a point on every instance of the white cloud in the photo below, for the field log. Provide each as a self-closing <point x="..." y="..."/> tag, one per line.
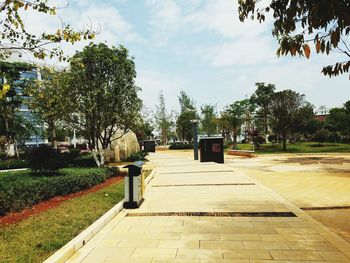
<point x="113" y="28"/>
<point x="166" y="16"/>
<point x="152" y="82"/>
<point x="247" y="51"/>
<point x="221" y="57"/>
<point x="221" y="17"/>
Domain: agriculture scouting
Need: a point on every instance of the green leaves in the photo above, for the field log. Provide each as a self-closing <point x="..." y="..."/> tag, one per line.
<point x="299" y="22"/>
<point x="163" y="119"/>
<point x="14" y="35"/>
<point x="101" y="91"/>
<point x="208" y="119"/>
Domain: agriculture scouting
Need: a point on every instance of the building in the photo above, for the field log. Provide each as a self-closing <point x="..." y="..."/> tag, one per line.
<point x="36" y="138"/>
<point x="321" y="113"/>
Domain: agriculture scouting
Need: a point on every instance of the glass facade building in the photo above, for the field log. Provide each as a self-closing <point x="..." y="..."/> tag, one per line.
<point x="36" y="138"/>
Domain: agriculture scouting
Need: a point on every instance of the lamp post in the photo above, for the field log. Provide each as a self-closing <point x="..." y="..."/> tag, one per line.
<point x="195" y="137"/>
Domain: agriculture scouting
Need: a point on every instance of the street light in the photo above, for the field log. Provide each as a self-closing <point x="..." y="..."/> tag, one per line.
<point x="195" y="137"/>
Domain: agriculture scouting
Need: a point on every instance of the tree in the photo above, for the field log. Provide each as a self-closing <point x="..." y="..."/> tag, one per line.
<point x="184" y="126"/>
<point x="306" y="123"/>
<point x="297" y="23"/>
<point x="322" y="135"/>
<point x="48" y="100"/>
<point x="187" y="113"/>
<point x="186" y="103"/>
<point x="11" y="123"/>
<point x="144" y="127"/>
<point x="101" y="95"/>
<point x="284" y="108"/>
<point x="163" y="119"/>
<point x="16" y="38"/>
<point x="208" y="119"/>
<point x="338" y="120"/>
<point x="261" y="98"/>
<point x="236" y="116"/>
<point x="223" y="124"/>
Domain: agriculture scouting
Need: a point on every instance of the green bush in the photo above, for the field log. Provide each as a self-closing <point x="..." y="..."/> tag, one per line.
<point x="140" y="156"/>
<point x="19" y="190"/>
<point x="227" y="145"/>
<point x="3" y="156"/>
<point x="180" y="146"/>
<point x="83" y="160"/>
<point x="13" y="164"/>
<point x="45" y="159"/>
<point x="321" y="136"/>
<point x="73" y="158"/>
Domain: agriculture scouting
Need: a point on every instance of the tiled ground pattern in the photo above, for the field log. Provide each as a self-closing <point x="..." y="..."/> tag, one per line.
<point x="211" y="239"/>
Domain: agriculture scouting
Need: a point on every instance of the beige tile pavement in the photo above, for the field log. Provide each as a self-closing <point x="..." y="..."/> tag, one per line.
<point x="178" y="187"/>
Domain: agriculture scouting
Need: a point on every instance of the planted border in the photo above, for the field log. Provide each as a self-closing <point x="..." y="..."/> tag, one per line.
<point x="19" y="190"/>
<point x="13" y="164"/>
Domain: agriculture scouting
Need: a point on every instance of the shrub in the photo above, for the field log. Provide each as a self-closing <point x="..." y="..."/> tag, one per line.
<point x="79" y="146"/>
<point x="140" y="156"/>
<point x="45" y="159"/>
<point x="321" y="136"/>
<point x="73" y="158"/>
<point x="180" y="146"/>
<point x="272" y="138"/>
<point x="74" y="153"/>
<point x="258" y="140"/>
<point x="13" y="164"/>
<point x="227" y="145"/>
<point x="3" y="156"/>
<point x="335" y="137"/>
<point x="83" y="160"/>
<point x="19" y="190"/>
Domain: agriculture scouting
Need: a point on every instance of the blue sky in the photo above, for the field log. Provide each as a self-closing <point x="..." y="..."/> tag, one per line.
<point x="200" y="47"/>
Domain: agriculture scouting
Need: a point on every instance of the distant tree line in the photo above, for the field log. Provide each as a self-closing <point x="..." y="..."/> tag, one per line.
<point x="266" y="117"/>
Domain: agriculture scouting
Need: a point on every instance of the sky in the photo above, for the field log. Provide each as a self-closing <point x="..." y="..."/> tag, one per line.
<point x="197" y="46"/>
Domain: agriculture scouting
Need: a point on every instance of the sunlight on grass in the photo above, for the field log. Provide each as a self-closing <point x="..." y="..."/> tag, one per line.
<point x="36" y="238"/>
<point x="303" y="147"/>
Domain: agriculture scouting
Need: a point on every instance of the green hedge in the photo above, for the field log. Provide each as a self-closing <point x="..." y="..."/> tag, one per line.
<point x="180" y="146"/>
<point x="83" y="160"/>
<point x="13" y="164"/>
<point x="139" y="156"/>
<point x="19" y="190"/>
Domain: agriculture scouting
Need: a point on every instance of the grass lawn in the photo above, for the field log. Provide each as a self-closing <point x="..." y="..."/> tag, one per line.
<point x="304" y="147"/>
<point x="36" y="238"/>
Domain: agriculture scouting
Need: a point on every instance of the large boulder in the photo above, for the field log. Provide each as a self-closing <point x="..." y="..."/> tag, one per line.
<point x="123" y="145"/>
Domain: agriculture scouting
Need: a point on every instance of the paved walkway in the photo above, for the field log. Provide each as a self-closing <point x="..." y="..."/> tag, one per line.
<point x="207" y="212"/>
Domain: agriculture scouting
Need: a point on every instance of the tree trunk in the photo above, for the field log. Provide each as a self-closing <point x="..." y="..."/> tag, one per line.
<point x="16" y="147"/>
<point x="98" y="157"/>
<point x="52" y="129"/>
<point x="284" y="141"/>
<point x="235" y="139"/>
<point x="54" y="139"/>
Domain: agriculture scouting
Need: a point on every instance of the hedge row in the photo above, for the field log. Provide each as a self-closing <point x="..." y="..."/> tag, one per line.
<point x="19" y="190"/>
<point x="13" y="164"/>
<point x="180" y="146"/>
<point x="184" y="146"/>
<point x="139" y="156"/>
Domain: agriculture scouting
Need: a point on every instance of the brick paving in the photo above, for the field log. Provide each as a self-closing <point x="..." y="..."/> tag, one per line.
<point x="211" y="188"/>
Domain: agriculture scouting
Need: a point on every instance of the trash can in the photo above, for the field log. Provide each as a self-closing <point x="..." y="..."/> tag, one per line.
<point x="134" y="186"/>
<point x="212" y="149"/>
<point x="149" y="146"/>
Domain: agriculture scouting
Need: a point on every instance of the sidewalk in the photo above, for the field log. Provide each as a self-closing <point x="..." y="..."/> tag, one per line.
<point x="207" y="212"/>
